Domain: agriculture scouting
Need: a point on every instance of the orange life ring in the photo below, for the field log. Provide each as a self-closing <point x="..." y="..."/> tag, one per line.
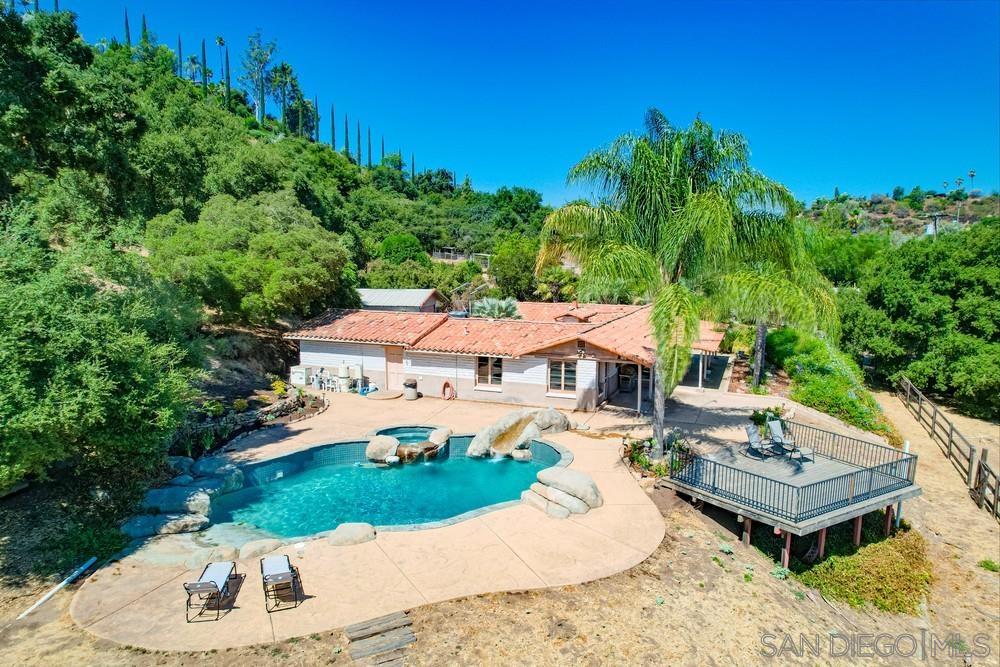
<point x="447" y="391"/>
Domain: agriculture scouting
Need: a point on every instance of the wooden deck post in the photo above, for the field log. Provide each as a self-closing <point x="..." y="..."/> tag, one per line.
<point x="821" y="543"/>
<point x="857" y="530"/>
<point x="786" y="551"/>
<point x="747" y="524"/>
<point x="889" y="512"/>
<point x="701" y="360"/>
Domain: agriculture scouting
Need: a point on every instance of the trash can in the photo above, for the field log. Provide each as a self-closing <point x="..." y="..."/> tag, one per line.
<point x="410" y="389"/>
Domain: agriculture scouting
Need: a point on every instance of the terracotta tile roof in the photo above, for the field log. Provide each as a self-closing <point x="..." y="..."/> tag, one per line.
<point x="626" y="334"/>
<point x="709" y="339"/>
<point x="498" y="338"/>
<point x="369" y="326"/>
<point x="593" y="313"/>
<point x="629" y="337"/>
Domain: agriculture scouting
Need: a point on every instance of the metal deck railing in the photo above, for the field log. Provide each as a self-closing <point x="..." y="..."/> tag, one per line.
<point x="877" y="470"/>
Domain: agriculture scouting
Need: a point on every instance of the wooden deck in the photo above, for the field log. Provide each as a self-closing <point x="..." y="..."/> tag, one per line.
<point x="843" y="479"/>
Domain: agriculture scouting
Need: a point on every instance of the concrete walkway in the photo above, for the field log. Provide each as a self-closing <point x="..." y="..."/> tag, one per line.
<point x="140" y="602"/>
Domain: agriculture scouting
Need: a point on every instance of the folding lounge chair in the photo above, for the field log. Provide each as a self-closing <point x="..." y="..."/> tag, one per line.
<point x="281" y="581"/>
<point x="756" y="445"/>
<point x="212" y="587"/>
<point x="786" y="443"/>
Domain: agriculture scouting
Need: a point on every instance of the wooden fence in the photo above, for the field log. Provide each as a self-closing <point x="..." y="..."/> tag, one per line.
<point x="982" y="480"/>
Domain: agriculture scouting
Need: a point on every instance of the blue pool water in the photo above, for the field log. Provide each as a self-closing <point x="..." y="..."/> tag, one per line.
<point x="319" y="489"/>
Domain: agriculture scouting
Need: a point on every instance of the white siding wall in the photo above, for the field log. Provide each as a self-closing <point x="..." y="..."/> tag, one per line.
<point x="526" y="370"/>
<point x="328" y="355"/>
<point x="586" y="384"/>
<point x="451" y="366"/>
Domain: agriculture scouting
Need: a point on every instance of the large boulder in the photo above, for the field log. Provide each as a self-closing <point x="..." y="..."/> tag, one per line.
<point x="232" y="478"/>
<point x="516" y="430"/>
<point x="257" y="548"/>
<point x="573" y="482"/>
<point x="503" y="436"/>
<point x="439" y="436"/>
<point x="208" y="466"/>
<point x="559" y="497"/>
<point x="521" y="455"/>
<point x="428" y="449"/>
<point x="180" y="464"/>
<point x="181" y="480"/>
<point x="550" y="420"/>
<point x="351" y="533"/>
<point x="381" y="446"/>
<point x="147" y="525"/>
<point x="177" y="499"/>
<point x="528" y="433"/>
<point x="409" y="453"/>
<point x="529" y="497"/>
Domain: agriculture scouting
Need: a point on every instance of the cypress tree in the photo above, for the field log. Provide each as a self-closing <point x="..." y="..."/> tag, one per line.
<point x="316" y="118"/>
<point x="36" y="6"/>
<point x="369" y="147"/>
<point x="382" y="156"/>
<point x="128" y="33"/>
<point x="302" y="129"/>
<point x="413" y="167"/>
<point x="144" y="33"/>
<point x="56" y="5"/>
<point x="180" y="58"/>
<point x="347" y="137"/>
<point x="359" y="143"/>
<point x="204" y="71"/>
<point x="333" y="127"/>
<point x="228" y="87"/>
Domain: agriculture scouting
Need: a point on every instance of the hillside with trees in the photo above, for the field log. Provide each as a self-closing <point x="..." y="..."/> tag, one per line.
<point x="156" y="214"/>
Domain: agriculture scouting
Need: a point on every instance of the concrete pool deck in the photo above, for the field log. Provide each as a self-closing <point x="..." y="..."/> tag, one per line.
<point x="138" y="601"/>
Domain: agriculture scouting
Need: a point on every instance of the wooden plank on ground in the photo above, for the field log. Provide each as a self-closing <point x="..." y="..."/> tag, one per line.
<point x="389" y="641"/>
<point x="376" y="626"/>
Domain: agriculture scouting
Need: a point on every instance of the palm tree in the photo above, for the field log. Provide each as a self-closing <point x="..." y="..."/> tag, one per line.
<point x="193" y="67"/>
<point x="682" y="214"/>
<point x="496" y="309"/>
<point x="220" y="42"/>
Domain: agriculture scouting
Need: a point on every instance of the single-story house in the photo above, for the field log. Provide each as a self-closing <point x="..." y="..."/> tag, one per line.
<point x="409" y="300"/>
<point x="561" y="355"/>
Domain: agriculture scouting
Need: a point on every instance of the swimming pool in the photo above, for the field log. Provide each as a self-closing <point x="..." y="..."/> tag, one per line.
<point x="318" y="489"/>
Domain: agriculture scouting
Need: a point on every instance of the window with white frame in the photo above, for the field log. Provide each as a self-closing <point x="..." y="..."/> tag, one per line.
<point x="489" y="371"/>
<point x="562" y="376"/>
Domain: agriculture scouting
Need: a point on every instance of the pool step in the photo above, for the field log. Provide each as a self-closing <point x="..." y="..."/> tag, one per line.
<point x="380" y="641"/>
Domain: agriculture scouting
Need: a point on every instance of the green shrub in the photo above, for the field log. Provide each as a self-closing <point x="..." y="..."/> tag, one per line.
<point x="990" y="565"/>
<point x="738" y="338"/>
<point x="824" y="378"/>
<point x="240" y="405"/>
<point x="893" y="574"/>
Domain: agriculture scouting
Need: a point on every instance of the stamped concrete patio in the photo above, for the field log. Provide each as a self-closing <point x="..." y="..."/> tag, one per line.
<point x="139" y="600"/>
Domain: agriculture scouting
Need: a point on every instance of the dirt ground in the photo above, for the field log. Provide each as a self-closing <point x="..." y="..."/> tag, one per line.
<point x="689" y="603"/>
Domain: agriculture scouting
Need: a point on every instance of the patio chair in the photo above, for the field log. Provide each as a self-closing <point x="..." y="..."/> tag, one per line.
<point x="281" y="582"/>
<point x="212" y="587"/>
<point x="786" y="443"/>
<point x="756" y="444"/>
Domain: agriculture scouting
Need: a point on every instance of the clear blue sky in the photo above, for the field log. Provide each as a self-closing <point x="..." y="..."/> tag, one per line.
<point x="860" y="95"/>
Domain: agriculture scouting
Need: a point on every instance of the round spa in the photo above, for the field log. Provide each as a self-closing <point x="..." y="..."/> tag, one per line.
<point x="317" y="489"/>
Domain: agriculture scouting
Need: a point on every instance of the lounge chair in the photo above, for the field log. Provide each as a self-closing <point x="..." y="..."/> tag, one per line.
<point x="756" y="444"/>
<point x="786" y="443"/>
<point x="281" y="581"/>
<point x="212" y="586"/>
